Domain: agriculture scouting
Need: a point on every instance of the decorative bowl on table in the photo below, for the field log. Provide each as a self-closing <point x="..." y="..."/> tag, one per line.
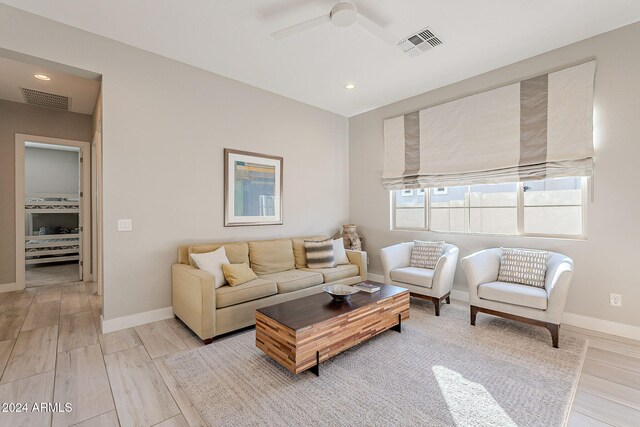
<point x="340" y="293"/>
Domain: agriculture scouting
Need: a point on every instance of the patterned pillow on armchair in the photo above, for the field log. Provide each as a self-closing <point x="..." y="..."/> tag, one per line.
<point x="523" y="266"/>
<point x="426" y="254"/>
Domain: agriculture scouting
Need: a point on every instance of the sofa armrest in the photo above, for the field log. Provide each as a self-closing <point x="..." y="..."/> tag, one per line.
<point x="481" y="267"/>
<point x="557" y="282"/>
<point x="395" y="256"/>
<point x="194" y="299"/>
<point x="445" y="272"/>
<point x="358" y="258"/>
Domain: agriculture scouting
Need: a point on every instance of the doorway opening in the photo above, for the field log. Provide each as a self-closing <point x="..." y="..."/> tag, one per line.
<point x="51" y="123"/>
<point x="56" y="228"/>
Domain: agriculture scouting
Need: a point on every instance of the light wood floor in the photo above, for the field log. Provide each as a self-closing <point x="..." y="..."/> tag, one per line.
<point x="51" y="350"/>
<point x="51" y="274"/>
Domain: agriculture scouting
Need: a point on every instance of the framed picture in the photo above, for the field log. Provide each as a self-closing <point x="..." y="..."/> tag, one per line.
<point x="252" y="189"/>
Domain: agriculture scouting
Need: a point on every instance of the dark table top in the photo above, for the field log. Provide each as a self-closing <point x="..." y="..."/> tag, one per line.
<point x="306" y="311"/>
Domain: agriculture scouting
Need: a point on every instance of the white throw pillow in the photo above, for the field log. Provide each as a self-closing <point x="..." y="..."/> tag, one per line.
<point x="212" y="263"/>
<point x="339" y="254"/>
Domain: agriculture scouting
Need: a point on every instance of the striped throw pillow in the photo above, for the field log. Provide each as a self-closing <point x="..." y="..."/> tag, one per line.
<point x="319" y="253"/>
<point x="522" y="266"/>
<point x="426" y="254"/>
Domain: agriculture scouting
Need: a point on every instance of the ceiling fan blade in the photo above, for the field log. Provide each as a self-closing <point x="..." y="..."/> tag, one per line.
<point x="377" y="30"/>
<point x="303" y="26"/>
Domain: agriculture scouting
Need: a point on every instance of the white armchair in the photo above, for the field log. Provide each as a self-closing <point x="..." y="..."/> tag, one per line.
<point x="424" y="283"/>
<point x="529" y="304"/>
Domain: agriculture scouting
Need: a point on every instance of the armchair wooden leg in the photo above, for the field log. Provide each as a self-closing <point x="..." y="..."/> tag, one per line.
<point x="448" y="299"/>
<point x="474" y="313"/>
<point x="436" y="303"/>
<point x="555" y="333"/>
<point x="207" y="341"/>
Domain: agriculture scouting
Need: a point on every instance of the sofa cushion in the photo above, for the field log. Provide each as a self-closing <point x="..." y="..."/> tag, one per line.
<point x="339" y="252"/>
<point x="319" y="253"/>
<point x="293" y="280"/>
<point x="336" y="273"/>
<point x="232" y="295"/>
<point x="413" y="276"/>
<point x="237" y="274"/>
<point x="271" y="256"/>
<point x="237" y="252"/>
<point x="299" y="252"/>
<point x="513" y="293"/>
<point x="212" y="262"/>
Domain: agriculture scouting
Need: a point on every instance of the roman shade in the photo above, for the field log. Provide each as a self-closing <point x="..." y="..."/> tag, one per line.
<point x="538" y="128"/>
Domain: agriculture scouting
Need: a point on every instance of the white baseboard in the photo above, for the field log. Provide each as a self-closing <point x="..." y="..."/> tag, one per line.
<point x="601" y="325"/>
<point x="137" y="319"/>
<point x="9" y="287"/>
<point x="572" y="319"/>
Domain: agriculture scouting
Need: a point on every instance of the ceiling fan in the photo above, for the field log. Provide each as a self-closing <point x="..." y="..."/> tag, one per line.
<point x="343" y="14"/>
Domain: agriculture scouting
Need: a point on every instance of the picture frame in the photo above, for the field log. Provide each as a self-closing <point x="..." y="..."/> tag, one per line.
<point x="252" y="188"/>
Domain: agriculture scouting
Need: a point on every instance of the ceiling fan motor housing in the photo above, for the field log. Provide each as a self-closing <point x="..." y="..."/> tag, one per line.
<point x="344" y="14"/>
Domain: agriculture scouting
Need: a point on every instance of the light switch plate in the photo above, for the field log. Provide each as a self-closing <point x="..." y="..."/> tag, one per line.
<point x="125" y="225"/>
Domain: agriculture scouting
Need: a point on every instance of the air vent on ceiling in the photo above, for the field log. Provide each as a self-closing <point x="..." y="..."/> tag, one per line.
<point x="46" y="99"/>
<point x="419" y="42"/>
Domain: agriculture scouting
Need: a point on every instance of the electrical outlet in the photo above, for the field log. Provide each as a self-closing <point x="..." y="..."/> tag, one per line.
<point x="615" y="300"/>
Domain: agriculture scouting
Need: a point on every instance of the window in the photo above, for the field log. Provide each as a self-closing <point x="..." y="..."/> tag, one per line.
<point x="409" y="210"/>
<point x="551" y="207"/>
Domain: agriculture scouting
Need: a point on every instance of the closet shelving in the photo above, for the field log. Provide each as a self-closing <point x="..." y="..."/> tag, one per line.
<point x="54" y="240"/>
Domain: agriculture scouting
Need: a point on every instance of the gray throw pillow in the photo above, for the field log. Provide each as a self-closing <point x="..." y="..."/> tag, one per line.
<point x="319" y="253"/>
<point x="523" y="266"/>
<point x="426" y="254"/>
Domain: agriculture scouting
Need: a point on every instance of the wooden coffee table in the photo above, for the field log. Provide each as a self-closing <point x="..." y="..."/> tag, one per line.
<point x="301" y="333"/>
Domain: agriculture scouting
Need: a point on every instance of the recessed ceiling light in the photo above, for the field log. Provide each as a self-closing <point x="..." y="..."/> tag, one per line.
<point x="350" y="86"/>
<point x="42" y="77"/>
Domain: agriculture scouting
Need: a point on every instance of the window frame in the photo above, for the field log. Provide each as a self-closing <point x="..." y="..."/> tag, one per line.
<point x="584" y="187"/>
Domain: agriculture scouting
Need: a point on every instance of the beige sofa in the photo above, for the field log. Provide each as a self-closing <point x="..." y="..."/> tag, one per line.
<point x="281" y="266"/>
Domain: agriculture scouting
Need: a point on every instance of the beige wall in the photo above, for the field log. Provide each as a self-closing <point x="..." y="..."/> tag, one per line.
<point x="51" y="171"/>
<point x="22" y="118"/>
<point x="607" y="261"/>
<point x="165" y="126"/>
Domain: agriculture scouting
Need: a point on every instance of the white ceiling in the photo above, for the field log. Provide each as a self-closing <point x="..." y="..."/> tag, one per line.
<point x="16" y="74"/>
<point x="232" y="38"/>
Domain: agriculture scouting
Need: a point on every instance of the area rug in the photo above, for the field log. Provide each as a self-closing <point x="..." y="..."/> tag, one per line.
<point x="439" y="371"/>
